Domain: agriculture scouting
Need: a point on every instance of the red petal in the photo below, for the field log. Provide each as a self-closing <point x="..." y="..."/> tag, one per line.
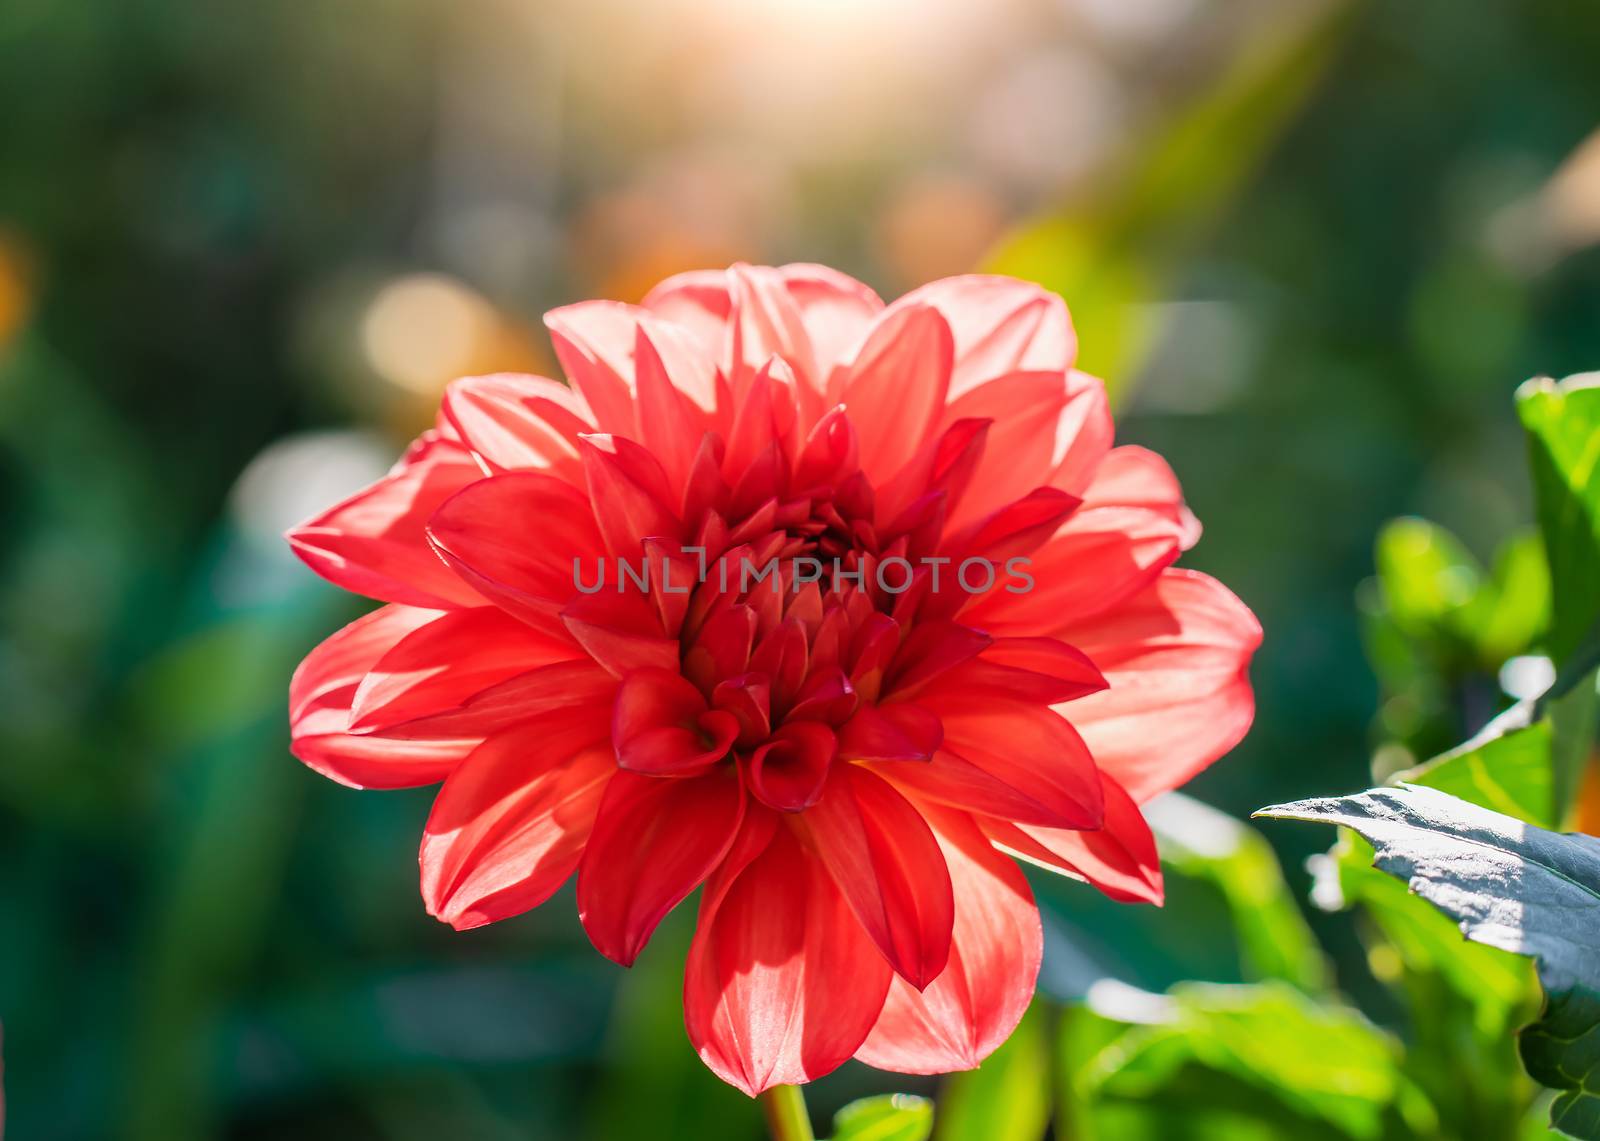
<point x="899" y="732"/>
<point x="622" y="632"/>
<point x="1042" y="670"/>
<point x="320" y="696"/>
<point x="1024" y="412"/>
<point x="579" y="690"/>
<point x="629" y="492"/>
<point x="1120" y="859"/>
<point x="1015" y="530"/>
<point x="594" y="341"/>
<point x="509" y="827"/>
<point x="654" y="841"/>
<point x="1136" y="477"/>
<point x="660" y="725"/>
<point x="782" y="984"/>
<point x="1083" y="434"/>
<point x="1000" y="326"/>
<point x="944" y="465"/>
<point x="972" y="1007"/>
<point x="895" y="390"/>
<point x="374" y="543"/>
<point x="514" y="421"/>
<point x="766" y="323"/>
<point x="928" y="651"/>
<point x="883" y="856"/>
<point x="789" y="771"/>
<point x="1010" y="759"/>
<point x="669" y="425"/>
<point x="521" y="539"/>
<point x="1095" y="562"/>
<point x="835" y="309"/>
<point x="1177" y="658"/>
<point x="443" y="663"/>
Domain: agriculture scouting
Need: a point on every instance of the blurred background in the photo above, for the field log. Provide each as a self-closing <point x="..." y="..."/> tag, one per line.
<point x="1312" y="246"/>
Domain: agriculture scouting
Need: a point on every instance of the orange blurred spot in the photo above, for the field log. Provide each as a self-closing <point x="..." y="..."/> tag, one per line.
<point x="938" y="226"/>
<point x="16" y="296"/>
<point x="1588" y="814"/>
<point x="424" y="330"/>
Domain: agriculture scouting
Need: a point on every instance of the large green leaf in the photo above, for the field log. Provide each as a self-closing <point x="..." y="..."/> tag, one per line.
<point x="1440" y="599"/>
<point x="1230" y="1061"/>
<point x="1512" y="609"/>
<point x="895" y="1117"/>
<point x="1509" y="772"/>
<point x="1464" y="1001"/>
<point x="1509" y="885"/>
<point x="1428" y="577"/>
<point x="1563" y="424"/>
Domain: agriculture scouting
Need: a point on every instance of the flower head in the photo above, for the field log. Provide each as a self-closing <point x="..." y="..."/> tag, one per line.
<point x="830" y="607"/>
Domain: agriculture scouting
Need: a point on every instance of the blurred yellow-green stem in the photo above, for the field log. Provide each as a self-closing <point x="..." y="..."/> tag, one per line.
<point x="785" y="1107"/>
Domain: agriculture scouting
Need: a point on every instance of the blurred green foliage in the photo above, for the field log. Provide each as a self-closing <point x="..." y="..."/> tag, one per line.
<point x="1294" y="285"/>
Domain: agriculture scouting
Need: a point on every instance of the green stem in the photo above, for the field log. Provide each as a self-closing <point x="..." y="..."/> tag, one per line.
<point x="785" y="1107"/>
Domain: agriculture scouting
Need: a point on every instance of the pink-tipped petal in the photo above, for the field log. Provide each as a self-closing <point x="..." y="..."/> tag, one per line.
<point x="895" y="390"/>
<point x="1043" y="670"/>
<point x="323" y="689"/>
<point x="1094" y="563"/>
<point x="594" y="341"/>
<point x="512" y="421"/>
<point x="510" y="824"/>
<point x="883" y="856"/>
<point x="1083" y="434"/>
<point x="782" y="984"/>
<point x="766" y="323"/>
<point x="443" y="663"/>
<point x="1177" y="658"/>
<point x="1000" y="325"/>
<point x="995" y="952"/>
<point x="373" y="543"/>
<point x="483" y="533"/>
<point x="1120" y="858"/>
<point x="1008" y="758"/>
<point x="836" y="310"/>
<point x="1131" y="476"/>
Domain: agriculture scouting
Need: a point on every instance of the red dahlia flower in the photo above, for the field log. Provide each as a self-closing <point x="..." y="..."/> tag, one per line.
<point x="968" y="645"/>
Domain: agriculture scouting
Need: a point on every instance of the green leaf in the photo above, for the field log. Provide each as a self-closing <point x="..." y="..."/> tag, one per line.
<point x="1509" y="773"/>
<point x="1492" y="983"/>
<point x="1259" y="1060"/>
<point x="1512" y="610"/>
<point x="1007" y="1098"/>
<point x="1274" y="942"/>
<point x="1464" y="1001"/>
<point x="896" y="1117"/>
<point x="1563" y="424"/>
<point x="1509" y="885"/>
<point x="1119" y="250"/>
<point x="1428" y="578"/>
